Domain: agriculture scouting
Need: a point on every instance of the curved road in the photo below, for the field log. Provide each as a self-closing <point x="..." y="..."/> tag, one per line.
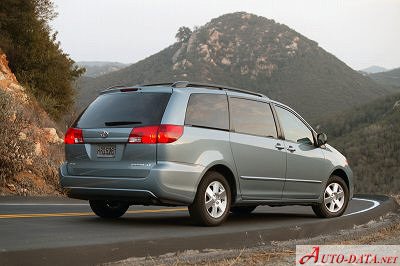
<point x="63" y="231"/>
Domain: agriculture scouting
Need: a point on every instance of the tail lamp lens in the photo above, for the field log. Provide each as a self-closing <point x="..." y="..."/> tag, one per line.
<point x="143" y="135"/>
<point x="73" y="136"/>
<point x="155" y="134"/>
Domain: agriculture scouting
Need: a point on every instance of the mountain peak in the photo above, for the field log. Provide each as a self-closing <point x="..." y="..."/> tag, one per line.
<point x="373" y="69"/>
<point x="248" y="45"/>
<point x="254" y="53"/>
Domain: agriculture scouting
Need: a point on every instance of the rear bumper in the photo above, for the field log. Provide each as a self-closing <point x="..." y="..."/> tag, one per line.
<point x="168" y="183"/>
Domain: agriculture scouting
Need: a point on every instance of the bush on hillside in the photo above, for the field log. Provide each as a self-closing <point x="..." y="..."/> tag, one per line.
<point x="34" y="54"/>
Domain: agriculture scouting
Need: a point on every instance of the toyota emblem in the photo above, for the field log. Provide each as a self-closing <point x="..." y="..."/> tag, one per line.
<point x="104" y="134"/>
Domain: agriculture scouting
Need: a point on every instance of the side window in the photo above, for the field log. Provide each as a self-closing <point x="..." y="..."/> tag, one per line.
<point x="293" y="128"/>
<point x="252" y="117"/>
<point x="208" y="110"/>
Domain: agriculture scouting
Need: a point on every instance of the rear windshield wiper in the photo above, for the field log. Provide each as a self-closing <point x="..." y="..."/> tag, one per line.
<point x="121" y="123"/>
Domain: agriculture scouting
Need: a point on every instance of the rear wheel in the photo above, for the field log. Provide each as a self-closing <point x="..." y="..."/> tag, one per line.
<point x="213" y="200"/>
<point x="335" y="199"/>
<point x="108" y="209"/>
<point x="241" y="210"/>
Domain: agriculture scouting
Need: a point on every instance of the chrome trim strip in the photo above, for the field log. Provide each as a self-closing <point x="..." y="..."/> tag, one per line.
<point x="116" y="189"/>
<point x="303" y="180"/>
<point x="279" y="179"/>
<point x="262" y="178"/>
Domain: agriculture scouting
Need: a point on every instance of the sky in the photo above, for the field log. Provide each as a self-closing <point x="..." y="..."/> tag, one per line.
<point x="359" y="32"/>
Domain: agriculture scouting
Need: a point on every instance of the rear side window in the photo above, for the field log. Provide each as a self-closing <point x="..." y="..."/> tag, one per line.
<point x="208" y="110"/>
<point x="252" y="117"/>
<point x="124" y="110"/>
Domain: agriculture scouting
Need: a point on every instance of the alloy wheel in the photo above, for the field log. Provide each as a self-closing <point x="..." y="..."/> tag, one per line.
<point x="215" y="199"/>
<point x="334" y="197"/>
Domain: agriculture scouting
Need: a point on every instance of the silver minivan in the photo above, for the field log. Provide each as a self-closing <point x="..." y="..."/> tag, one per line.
<point x="212" y="148"/>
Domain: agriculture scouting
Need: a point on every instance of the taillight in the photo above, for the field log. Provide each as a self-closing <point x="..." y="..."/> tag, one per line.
<point x="155" y="134"/>
<point x="73" y="136"/>
<point x="169" y="133"/>
<point x="143" y="135"/>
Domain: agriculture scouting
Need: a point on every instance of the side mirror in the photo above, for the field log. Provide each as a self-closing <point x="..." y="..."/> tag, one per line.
<point x="321" y="139"/>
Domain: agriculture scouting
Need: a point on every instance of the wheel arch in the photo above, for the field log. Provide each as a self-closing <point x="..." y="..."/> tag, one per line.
<point x="228" y="173"/>
<point x="342" y="174"/>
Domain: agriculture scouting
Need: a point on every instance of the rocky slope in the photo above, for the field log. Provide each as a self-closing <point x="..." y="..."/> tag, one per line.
<point x="30" y="148"/>
<point x="253" y="53"/>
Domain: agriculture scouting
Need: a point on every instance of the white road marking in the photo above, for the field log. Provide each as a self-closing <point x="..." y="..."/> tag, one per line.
<point x="376" y="204"/>
<point x="44" y="204"/>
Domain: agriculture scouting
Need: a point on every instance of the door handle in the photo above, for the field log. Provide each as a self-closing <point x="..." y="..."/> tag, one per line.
<point x="291" y="149"/>
<point x="279" y="146"/>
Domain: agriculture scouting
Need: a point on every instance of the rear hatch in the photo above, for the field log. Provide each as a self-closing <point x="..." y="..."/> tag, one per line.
<point x="99" y="137"/>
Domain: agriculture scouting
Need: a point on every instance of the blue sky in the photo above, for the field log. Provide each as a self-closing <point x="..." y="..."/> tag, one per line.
<point x="359" y="32"/>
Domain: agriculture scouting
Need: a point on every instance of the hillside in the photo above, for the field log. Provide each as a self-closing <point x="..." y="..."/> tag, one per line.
<point x="369" y="136"/>
<point x="388" y="78"/>
<point x="373" y="69"/>
<point x="31" y="149"/>
<point x="98" y="68"/>
<point x="253" y="53"/>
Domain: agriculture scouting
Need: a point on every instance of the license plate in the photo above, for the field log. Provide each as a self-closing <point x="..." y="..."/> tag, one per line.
<point x="106" y="151"/>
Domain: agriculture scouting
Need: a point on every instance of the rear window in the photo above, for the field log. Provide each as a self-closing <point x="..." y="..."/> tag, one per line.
<point x="124" y="110"/>
<point x="208" y="110"/>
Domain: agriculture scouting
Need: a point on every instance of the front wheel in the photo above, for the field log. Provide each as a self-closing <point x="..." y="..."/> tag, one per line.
<point x="335" y="199"/>
<point x="213" y="200"/>
<point x="108" y="209"/>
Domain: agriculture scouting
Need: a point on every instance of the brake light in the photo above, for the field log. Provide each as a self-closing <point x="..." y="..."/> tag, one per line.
<point x="155" y="134"/>
<point x="73" y="136"/>
<point x="169" y="133"/>
<point x="143" y="135"/>
<point x="128" y="90"/>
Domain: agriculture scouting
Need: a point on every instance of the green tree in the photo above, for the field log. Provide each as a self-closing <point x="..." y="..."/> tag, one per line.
<point x="35" y="55"/>
<point x="183" y="34"/>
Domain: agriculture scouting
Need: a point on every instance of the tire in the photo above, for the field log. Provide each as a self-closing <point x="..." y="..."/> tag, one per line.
<point x="243" y="210"/>
<point x="332" y="205"/>
<point x="108" y="209"/>
<point x="219" y="206"/>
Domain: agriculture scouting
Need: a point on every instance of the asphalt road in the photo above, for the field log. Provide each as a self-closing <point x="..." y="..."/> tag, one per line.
<point x="62" y="231"/>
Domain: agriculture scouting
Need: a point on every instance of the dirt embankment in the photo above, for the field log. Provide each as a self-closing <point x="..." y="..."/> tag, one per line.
<point x="30" y="147"/>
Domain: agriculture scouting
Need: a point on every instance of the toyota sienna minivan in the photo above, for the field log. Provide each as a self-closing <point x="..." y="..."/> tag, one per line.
<point x="212" y="148"/>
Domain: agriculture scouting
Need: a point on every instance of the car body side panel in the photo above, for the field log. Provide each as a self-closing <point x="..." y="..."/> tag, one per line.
<point x="199" y="146"/>
<point x="307" y="172"/>
<point x="175" y="111"/>
<point x="339" y="162"/>
<point x="260" y="165"/>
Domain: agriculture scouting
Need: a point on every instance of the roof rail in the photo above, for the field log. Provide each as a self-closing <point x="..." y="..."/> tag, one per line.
<point x="115" y="86"/>
<point x="185" y="84"/>
<point x="188" y="84"/>
<point x="112" y="88"/>
<point x="156" y="84"/>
